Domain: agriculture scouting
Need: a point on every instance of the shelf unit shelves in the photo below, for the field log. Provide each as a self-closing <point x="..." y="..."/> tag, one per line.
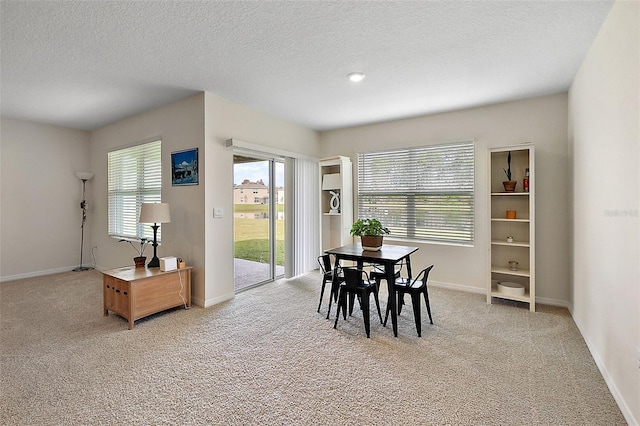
<point x="522" y="229"/>
<point x="335" y="227"/>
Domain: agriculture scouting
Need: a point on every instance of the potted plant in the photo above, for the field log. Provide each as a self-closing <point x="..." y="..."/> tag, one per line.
<point x="140" y="259"/>
<point x="509" y="185"/>
<point x="370" y="232"/>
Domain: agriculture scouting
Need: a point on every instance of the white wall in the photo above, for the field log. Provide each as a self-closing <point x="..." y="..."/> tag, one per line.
<point x="604" y="135"/>
<point x="226" y="120"/>
<point x="40" y="214"/>
<point x="180" y="126"/>
<point x="203" y="121"/>
<point x="542" y="121"/>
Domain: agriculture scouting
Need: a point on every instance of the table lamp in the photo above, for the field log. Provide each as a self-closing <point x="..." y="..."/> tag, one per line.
<point x="155" y="213"/>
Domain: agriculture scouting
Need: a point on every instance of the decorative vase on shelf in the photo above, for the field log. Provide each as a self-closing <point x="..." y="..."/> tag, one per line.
<point x="140" y="261"/>
<point x="510" y="185"/>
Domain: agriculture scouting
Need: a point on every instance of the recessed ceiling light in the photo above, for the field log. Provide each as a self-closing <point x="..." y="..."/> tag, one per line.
<point x="356" y="76"/>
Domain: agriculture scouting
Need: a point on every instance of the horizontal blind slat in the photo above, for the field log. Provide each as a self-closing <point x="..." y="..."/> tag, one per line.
<point x="134" y="177"/>
<point x="422" y="193"/>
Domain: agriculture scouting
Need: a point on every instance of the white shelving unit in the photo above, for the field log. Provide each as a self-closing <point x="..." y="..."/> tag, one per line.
<point x="336" y="225"/>
<point x="521" y="248"/>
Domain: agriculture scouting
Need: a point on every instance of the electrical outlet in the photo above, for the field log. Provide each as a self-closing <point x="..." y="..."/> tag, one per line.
<point x="218" y="212"/>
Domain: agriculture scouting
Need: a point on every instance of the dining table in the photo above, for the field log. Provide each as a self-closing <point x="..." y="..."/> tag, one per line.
<point x="388" y="256"/>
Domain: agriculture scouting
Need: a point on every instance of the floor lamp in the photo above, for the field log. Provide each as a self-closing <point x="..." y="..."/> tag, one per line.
<point x="84" y="177"/>
<point x="155" y="213"/>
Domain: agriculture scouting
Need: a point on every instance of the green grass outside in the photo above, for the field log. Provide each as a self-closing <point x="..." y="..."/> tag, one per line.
<point x="251" y="237"/>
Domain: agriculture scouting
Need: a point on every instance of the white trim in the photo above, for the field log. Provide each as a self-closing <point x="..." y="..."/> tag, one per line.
<point x="624" y="408"/>
<point x="211" y="302"/>
<point x="37" y="273"/>
<point x="240" y="145"/>
<point x="478" y="290"/>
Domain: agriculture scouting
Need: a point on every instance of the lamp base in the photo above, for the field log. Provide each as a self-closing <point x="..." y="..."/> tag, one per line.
<point x="154" y="263"/>
<point x="82" y="268"/>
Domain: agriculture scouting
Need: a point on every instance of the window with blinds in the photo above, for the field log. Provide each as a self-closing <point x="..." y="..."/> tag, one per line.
<point x="423" y="193"/>
<point x="135" y="177"/>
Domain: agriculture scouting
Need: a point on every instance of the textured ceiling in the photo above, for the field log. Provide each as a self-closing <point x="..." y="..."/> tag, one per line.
<point x="86" y="64"/>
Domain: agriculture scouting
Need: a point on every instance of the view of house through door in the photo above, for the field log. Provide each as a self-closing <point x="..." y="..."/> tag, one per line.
<point x="258" y="198"/>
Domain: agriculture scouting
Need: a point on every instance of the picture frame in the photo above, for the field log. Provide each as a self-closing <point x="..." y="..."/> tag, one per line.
<point x="184" y="167"/>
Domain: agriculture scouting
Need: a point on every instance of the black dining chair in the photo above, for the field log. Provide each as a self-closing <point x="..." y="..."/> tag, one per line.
<point x="414" y="288"/>
<point x="357" y="284"/>
<point x="327" y="276"/>
<point x="378" y="273"/>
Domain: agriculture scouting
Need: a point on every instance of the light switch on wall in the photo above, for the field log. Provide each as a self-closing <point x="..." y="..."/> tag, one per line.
<point x="218" y="212"/>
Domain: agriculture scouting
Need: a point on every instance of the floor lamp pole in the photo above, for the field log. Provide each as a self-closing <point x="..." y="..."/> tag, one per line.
<point x="83" y="206"/>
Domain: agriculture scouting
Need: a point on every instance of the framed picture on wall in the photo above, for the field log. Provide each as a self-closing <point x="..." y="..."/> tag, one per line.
<point x="184" y="167"/>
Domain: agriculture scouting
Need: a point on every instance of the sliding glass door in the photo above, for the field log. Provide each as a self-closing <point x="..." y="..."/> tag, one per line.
<point x="258" y="194"/>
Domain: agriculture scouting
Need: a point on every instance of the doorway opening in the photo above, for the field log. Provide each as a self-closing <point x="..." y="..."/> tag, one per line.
<point x="258" y="217"/>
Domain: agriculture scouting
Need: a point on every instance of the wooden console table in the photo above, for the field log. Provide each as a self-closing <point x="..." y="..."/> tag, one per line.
<point x="135" y="293"/>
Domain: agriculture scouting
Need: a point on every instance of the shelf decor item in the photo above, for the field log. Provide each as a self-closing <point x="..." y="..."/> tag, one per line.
<point x="331" y="183"/>
<point x="371" y="233"/>
<point x="510" y="288"/>
<point x="511" y="214"/>
<point x="509" y="185"/>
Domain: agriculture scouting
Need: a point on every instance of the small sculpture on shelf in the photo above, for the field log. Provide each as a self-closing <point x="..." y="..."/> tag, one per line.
<point x="334" y="204"/>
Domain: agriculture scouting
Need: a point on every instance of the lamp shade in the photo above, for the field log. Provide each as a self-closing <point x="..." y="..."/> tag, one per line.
<point x="84" y="175"/>
<point x="331" y="181"/>
<point x="155" y="213"/>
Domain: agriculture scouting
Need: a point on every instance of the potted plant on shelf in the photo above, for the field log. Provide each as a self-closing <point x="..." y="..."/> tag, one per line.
<point x="371" y="233"/>
<point x="509" y="185"/>
<point x="140" y="259"/>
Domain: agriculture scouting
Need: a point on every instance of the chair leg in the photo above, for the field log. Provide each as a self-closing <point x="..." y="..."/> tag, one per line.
<point x="364" y="297"/>
<point x="375" y="296"/>
<point x="400" y="302"/>
<point x="352" y="298"/>
<point x="341" y="304"/>
<point x="331" y="297"/>
<point x="386" y="315"/>
<point x="426" y="301"/>
<point x="324" y="282"/>
<point x="415" y="301"/>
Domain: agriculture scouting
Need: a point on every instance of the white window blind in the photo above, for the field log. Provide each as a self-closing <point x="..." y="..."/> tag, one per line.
<point x="423" y="193"/>
<point x="135" y="177"/>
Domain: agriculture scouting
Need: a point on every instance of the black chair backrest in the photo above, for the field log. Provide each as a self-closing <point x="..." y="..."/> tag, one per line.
<point x="422" y="277"/>
<point x="353" y="277"/>
<point x="325" y="263"/>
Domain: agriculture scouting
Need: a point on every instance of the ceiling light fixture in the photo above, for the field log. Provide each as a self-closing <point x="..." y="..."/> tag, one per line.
<point x="356" y="76"/>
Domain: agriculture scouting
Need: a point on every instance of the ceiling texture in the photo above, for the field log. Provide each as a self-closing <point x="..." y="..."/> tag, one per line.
<point x="85" y="64"/>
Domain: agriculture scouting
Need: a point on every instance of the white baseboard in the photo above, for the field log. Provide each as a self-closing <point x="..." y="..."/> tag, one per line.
<point x="210" y="302"/>
<point x="477" y="290"/>
<point x="458" y="287"/>
<point x="37" y="273"/>
<point x="624" y="408"/>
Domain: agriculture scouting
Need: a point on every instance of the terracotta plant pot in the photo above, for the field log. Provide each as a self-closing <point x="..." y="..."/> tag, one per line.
<point x="371" y="242"/>
<point x="139" y="261"/>
<point x="510" y="185"/>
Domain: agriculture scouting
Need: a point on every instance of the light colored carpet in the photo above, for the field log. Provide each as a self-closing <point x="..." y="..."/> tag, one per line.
<point x="267" y="357"/>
